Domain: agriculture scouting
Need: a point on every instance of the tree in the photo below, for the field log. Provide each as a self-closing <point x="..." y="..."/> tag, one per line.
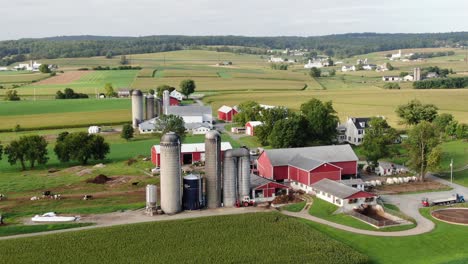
<point x="171" y="123"/>
<point x="315" y="72"/>
<point x="269" y="118"/>
<point x="161" y="88"/>
<point x="123" y="60"/>
<point x="32" y="149"/>
<point x="127" y="132"/>
<point x="403" y="74"/>
<point x="322" y="120"/>
<point x="462" y="131"/>
<point x="109" y="55"/>
<point x="332" y="73"/>
<point x="151" y="91"/>
<point x="187" y="87"/>
<point x="1" y="151"/>
<point x="248" y="111"/>
<point x="44" y="68"/>
<point x="442" y="121"/>
<point x="109" y="90"/>
<point x="422" y="143"/>
<point x="376" y="140"/>
<point x="289" y="133"/>
<point x="414" y="112"/>
<point x="330" y="62"/>
<point x="389" y="66"/>
<point x="81" y="146"/>
<point x="12" y="95"/>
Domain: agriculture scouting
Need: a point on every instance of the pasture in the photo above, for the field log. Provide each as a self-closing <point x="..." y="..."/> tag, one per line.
<point x="208" y="240"/>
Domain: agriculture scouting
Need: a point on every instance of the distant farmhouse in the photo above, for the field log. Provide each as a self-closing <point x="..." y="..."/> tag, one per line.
<point x="353" y="130"/>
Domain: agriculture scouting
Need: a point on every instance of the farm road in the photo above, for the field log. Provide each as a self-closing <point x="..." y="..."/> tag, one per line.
<point x="408" y="204"/>
<point x="139" y="216"/>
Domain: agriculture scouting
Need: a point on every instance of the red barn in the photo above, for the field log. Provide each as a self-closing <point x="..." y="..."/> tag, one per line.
<point x="266" y="190"/>
<point x="173" y="101"/>
<point x="226" y="113"/>
<point x="189" y="153"/>
<point x="305" y="166"/>
<point x="250" y="127"/>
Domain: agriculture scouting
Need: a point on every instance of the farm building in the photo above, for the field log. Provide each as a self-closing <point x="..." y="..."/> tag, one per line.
<point x="173" y="101"/>
<point x="123" y="93"/>
<point x="341" y="195"/>
<point x="353" y="130"/>
<point x="197" y="128"/>
<point x="355" y="183"/>
<point x="238" y="130"/>
<point x="305" y="166"/>
<point x="250" y="127"/>
<point x="177" y="95"/>
<point x="265" y="190"/>
<point x="226" y="113"/>
<point x="189" y="153"/>
<point x="391" y="78"/>
<point x="192" y="113"/>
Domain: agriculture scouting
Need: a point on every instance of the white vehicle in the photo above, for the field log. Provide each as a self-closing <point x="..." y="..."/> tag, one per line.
<point x="52" y="217"/>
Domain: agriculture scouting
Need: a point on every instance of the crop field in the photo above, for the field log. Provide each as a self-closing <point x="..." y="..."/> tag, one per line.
<point x="64" y="78"/>
<point x="445" y="244"/>
<point x="14" y="77"/>
<point x="208" y="240"/>
<point x="146" y="73"/>
<point x="49" y="113"/>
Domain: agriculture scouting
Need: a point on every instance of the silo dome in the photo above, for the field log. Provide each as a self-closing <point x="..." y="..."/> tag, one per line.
<point x="137" y="93"/>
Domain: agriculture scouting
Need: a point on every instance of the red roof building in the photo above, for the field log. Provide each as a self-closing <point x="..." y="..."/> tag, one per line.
<point x="250" y="127"/>
<point x="265" y="190"/>
<point x="173" y="101"/>
<point x="226" y="113"/>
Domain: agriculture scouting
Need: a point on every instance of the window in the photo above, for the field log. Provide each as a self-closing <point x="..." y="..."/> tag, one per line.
<point x="359" y="140"/>
<point x="359" y="131"/>
<point x="351" y="201"/>
<point x="370" y="199"/>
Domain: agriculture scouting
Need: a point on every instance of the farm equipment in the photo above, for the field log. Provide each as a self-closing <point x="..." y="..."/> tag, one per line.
<point x="246" y="202"/>
<point x="456" y="198"/>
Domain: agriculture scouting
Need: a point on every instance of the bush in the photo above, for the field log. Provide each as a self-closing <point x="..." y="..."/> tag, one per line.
<point x="391" y="86"/>
<point x="70" y="94"/>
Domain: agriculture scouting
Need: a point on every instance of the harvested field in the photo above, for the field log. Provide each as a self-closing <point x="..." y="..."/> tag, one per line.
<point x="64" y="78"/>
<point x="453" y="215"/>
<point x="411" y="187"/>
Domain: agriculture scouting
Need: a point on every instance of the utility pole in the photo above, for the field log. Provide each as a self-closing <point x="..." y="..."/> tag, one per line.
<point x="451" y="170"/>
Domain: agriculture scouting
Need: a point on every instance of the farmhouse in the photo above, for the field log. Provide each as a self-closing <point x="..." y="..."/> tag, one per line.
<point x="190" y="153"/>
<point x="391" y="78"/>
<point x="265" y="190"/>
<point x="305" y="166"/>
<point x="275" y="59"/>
<point x="311" y="64"/>
<point x="250" y="127"/>
<point x="369" y="67"/>
<point x="123" y="93"/>
<point x="345" y="68"/>
<point x="341" y="195"/>
<point x="31" y="66"/>
<point x="226" y="113"/>
<point x="353" y="130"/>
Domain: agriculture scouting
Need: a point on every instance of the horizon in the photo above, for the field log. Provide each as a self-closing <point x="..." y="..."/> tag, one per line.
<point x="40" y="19"/>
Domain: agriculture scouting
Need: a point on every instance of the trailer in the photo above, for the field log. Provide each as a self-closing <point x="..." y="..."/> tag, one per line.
<point x="456" y="198"/>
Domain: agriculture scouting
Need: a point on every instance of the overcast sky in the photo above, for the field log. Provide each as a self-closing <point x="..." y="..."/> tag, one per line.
<point x="44" y="18"/>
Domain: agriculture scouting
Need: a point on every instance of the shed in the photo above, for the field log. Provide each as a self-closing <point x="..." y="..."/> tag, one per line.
<point x="250" y="127"/>
<point x="264" y="190"/>
<point x="226" y="113"/>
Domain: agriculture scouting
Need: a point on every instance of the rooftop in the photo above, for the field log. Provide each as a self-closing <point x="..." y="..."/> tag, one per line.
<point x="189" y="110"/>
<point x="225" y="109"/>
<point x="335" y="188"/>
<point x="196" y="147"/>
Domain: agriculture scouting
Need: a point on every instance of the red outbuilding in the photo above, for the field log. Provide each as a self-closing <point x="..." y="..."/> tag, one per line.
<point x="264" y="190"/>
<point x="305" y="166"/>
<point x="189" y="153"/>
<point x="226" y="113"/>
<point x="173" y="101"/>
<point x="250" y="127"/>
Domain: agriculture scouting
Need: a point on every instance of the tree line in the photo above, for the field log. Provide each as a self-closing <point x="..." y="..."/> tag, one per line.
<point x="341" y="46"/>
<point x="442" y="83"/>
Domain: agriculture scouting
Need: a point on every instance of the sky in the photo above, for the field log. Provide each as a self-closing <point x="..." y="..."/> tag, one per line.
<point x="46" y="18"/>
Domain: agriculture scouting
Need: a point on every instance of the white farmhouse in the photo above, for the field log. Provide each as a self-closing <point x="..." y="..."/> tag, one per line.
<point x="311" y="64"/>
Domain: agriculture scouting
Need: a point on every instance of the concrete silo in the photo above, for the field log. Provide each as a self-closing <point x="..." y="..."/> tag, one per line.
<point x="137" y="108"/>
<point x="213" y="169"/>
<point x="236" y="176"/>
<point x="150" y="108"/>
<point x="170" y="174"/>
<point x="151" y="199"/>
<point x="166" y="101"/>
<point x="159" y="106"/>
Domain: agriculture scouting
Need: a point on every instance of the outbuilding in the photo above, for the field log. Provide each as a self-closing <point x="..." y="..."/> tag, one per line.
<point x="250" y="127"/>
<point x="265" y="190"/>
<point x="226" y="113"/>
<point x="341" y="195"/>
<point x="190" y="153"/>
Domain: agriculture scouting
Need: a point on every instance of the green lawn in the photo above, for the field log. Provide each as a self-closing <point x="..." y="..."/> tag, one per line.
<point x="11" y="230"/>
<point x="446" y="244"/>
<point x="297" y="207"/>
<point x="247" y="238"/>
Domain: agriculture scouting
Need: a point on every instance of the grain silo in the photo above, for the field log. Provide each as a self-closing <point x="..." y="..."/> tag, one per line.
<point x="159" y="106"/>
<point x="236" y="175"/>
<point x="170" y="173"/>
<point x="150" y="108"/>
<point x="192" y="197"/>
<point x="166" y="101"/>
<point x="151" y="199"/>
<point x="213" y="168"/>
<point x="137" y="108"/>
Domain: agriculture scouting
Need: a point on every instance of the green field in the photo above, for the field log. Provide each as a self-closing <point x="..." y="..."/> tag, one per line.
<point x="249" y="238"/>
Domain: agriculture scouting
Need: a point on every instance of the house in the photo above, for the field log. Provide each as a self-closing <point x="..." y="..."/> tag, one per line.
<point x="369" y="67"/>
<point x="265" y="190"/>
<point x="431" y="75"/>
<point x="381" y="68"/>
<point x="250" y="127"/>
<point x="3" y="69"/>
<point x="385" y="169"/>
<point x="408" y="78"/>
<point x="391" y="78"/>
<point x="341" y="133"/>
<point x="123" y="93"/>
<point x="396" y="56"/>
<point x="355" y="183"/>
<point x="355" y="129"/>
<point x="189" y="153"/>
<point x="177" y="95"/>
<point x="311" y="64"/>
<point x="31" y="66"/>
<point x="226" y="113"/>
<point x="345" y="68"/>
<point x="305" y="166"/>
<point x="94" y="130"/>
<point x="348" y="198"/>
<point x="275" y="60"/>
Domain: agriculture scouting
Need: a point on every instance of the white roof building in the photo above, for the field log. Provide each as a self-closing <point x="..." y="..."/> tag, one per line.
<point x="177" y="95"/>
<point x="311" y="64"/>
<point x="196" y="147"/>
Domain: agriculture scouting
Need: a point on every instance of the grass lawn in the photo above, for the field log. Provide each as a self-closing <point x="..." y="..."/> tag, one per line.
<point x="11" y="230"/>
<point x="297" y="207"/>
<point x="445" y="244"/>
<point x="325" y="210"/>
<point x="219" y="239"/>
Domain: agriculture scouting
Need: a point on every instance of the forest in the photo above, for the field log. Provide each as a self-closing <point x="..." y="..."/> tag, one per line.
<point x="341" y="46"/>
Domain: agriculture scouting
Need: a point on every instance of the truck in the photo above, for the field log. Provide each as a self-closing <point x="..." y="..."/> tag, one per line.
<point x="456" y="198"/>
<point x="245" y="202"/>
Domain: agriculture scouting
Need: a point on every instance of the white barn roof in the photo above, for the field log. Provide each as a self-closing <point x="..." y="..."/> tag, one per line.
<point x="225" y="109"/>
<point x="196" y="147"/>
<point x="255" y="123"/>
